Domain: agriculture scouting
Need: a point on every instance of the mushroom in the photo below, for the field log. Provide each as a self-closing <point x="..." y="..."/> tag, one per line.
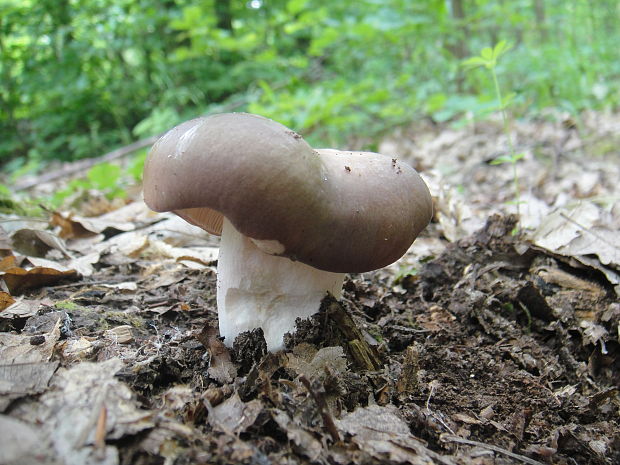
<point x="293" y="219"/>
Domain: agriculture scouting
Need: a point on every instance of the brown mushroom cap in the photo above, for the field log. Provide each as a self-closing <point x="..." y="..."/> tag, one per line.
<point x="334" y="210"/>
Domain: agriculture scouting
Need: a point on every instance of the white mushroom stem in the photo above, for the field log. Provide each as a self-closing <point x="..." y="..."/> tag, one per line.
<point x="255" y="289"/>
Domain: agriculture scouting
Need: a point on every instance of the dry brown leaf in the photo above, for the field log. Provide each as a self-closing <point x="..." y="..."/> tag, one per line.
<point x="19" y="279"/>
<point x="8" y="262"/>
<point x="380" y="432"/>
<point x="464" y="418"/>
<point x="37" y="243"/>
<point x="435" y="319"/>
<point x="5" y="300"/>
<point x="124" y="219"/>
<point x="69" y="228"/>
<point x="581" y="231"/>
<point x="194" y="257"/>
<point x="316" y="365"/>
<point x="221" y="367"/>
<point x="21" y="308"/>
<point x="119" y="334"/>
<point x="303" y="440"/>
<point x="234" y="416"/>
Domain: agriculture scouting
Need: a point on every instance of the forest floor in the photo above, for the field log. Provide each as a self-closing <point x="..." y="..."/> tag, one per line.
<point x="493" y="341"/>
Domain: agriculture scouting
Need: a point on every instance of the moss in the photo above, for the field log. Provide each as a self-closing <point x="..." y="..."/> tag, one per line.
<point x="67" y="305"/>
<point x="125" y="318"/>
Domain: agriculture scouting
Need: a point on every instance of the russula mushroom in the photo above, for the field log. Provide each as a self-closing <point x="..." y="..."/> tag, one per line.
<point x="293" y="219"/>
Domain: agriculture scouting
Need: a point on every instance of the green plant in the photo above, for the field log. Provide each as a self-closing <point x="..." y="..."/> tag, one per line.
<point x="136" y="166"/>
<point x="104" y="177"/>
<point x="404" y="272"/>
<point x="78" y="79"/>
<point x="488" y="59"/>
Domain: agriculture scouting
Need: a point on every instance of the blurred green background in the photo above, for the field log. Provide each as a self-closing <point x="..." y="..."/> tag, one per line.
<point x="82" y="77"/>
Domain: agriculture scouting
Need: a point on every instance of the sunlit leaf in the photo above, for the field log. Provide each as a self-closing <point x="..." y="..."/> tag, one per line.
<point x="474" y="62"/>
<point x="487" y="54"/>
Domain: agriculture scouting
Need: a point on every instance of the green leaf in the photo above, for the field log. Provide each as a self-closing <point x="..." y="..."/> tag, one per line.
<point x="474" y="62"/>
<point x="487" y="54"/>
<point x="5" y="190"/>
<point x="404" y="272"/>
<point x="136" y="167"/>
<point x="104" y="176"/>
<point x="507" y="100"/>
<point x="501" y="160"/>
<point x="295" y="6"/>
<point x="500" y="48"/>
<point x="507" y="159"/>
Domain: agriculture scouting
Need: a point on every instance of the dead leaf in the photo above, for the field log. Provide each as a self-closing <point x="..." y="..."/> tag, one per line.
<point x="303" y="440"/>
<point x="177" y="232"/>
<point x="37" y="243"/>
<point x="464" y="418"/>
<point x="21" y="308"/>
<point x="234" y="416"/>
<point x="194" y="257"/>
<point x="435" y="319"/>
<point x="8" y="262"/>
<point x="84" y="265"/>
<point x="22" y="443"/>
<point x="5" y="300"/>
<point x="314" y="365"/>
<point x="128" y="286"/>
<point x="593" y="333"/>
<point x="380" y="432"/>
<point x="221" y="367"/>
<point x="119" y="334"/>
<point x="124" y="219"/>
<point x="16" y="348"/>
<point x="78" y="349"/>
<point x="21" y="379"/>
<point x="69" y="410"/>
<point x="69" y="228"/>
<point x="582" y="230"/>
<point x="19" y="280"/>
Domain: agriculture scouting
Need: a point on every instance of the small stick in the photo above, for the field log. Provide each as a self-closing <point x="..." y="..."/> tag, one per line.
<point x="320" y="402"/>
<point x="100" y="431"/>
<point x="497" y="449"/>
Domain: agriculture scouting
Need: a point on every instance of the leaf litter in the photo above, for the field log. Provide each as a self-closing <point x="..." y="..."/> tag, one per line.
<point x="480" y="346"/>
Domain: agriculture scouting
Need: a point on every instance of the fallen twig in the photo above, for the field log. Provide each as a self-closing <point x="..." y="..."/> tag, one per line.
<point x="71" y="168"/>
<point x="497" y="449"/>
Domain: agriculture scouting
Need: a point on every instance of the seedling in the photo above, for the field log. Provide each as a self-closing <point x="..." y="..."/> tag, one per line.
<point x="488" y="58"/>
<point x="404" y="272"/>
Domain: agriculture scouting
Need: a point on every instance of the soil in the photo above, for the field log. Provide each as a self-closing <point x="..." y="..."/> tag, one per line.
<point x="493" y="351"/>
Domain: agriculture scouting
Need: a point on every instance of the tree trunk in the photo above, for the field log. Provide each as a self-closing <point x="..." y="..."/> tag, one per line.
<point x="458" y="45"/>
<point x="458" y="15"/>
<point x="539" y="14"/>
